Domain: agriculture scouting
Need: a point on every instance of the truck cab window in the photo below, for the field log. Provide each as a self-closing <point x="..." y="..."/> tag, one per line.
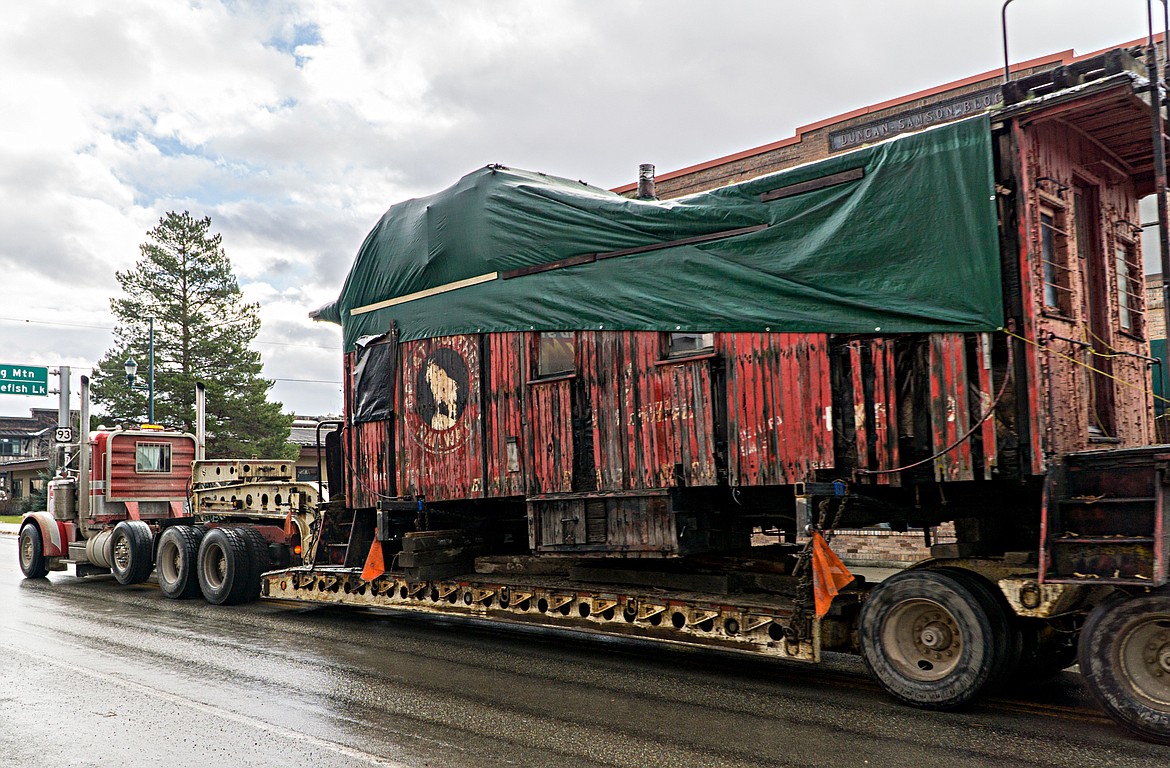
<point x="152" y="457"/>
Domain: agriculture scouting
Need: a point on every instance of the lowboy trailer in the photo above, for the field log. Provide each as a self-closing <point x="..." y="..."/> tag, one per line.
<point x="568" y="408"/>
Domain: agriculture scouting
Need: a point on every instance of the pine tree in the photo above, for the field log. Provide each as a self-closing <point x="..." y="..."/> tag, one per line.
<point x="202" y="332"/>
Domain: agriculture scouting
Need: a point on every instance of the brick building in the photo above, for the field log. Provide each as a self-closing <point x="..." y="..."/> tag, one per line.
<point x="867" y="125"/>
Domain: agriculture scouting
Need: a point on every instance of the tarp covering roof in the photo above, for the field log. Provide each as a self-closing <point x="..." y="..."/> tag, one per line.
<point x="896" y="237"/>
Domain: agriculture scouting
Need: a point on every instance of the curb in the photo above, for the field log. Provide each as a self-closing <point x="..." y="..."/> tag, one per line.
<point x="10" y="529"/>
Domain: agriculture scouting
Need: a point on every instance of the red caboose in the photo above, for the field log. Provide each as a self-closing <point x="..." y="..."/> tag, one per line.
<point x="945" y="326"/>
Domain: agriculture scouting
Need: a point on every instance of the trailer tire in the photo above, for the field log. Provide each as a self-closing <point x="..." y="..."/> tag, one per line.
<point x="929" y="640"/>
<point x="226" y="565"/>
<point x="33" y="563"/>
<point x="176" y="561"/>
<point x="1006" y="633"/>
<point x="131" y="552"/>
<point x="1124" y="656"/>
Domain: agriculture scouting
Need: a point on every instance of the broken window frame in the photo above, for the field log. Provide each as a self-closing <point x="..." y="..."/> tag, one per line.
<point x="1053" y="251"/>
<point x="551" y="362"/>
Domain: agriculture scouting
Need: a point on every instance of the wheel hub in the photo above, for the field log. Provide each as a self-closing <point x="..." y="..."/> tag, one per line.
<point x="923" y="640"/>
<point x="122" y="553"/>
<point x="1157" y="655"/>
<point x="935" y="636"/>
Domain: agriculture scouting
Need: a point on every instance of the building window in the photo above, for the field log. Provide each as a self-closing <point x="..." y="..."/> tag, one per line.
<point x="307" y="475"/>
<point x="556" y="353"/>
<point x="152" y="457"/>
<point x="687" y="344"/>
<point x="9" y="446"/>
<point x="1054" y="260"/>
<point x="1129" y="286"/>
<point x="16" y="489"/>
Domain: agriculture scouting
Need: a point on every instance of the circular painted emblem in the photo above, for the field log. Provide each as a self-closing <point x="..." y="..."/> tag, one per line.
<point x="441" y="380"/>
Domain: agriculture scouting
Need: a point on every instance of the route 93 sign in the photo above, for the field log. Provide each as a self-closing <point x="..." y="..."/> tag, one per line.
<point x="63" y="435"/>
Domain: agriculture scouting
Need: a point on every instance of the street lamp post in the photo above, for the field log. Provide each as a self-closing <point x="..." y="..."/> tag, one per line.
<point x="131" y="368"/>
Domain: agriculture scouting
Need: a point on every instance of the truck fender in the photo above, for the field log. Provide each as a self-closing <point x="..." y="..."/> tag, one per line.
<point x="53" y="533"/>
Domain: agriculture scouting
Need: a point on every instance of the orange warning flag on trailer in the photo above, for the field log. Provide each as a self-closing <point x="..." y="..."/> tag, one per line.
<point x="375" y="566"/>
<point x="829" y="573"/>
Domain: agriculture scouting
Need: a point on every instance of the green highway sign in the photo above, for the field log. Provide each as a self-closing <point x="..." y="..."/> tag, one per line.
<point x="24" y="380"/>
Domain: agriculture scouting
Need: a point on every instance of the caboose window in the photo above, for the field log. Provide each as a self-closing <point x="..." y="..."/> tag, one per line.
<point x="556" y="353"/>
<point x="152" y="457"/>
<point x="1054" y="261"/>
<point x="1129" y="287"/>
<point x="686" y="344"/>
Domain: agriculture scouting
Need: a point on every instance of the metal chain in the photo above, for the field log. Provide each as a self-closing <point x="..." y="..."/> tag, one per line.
<point x="800" y="626"/>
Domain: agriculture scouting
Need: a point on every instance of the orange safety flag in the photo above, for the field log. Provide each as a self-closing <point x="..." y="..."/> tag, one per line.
<point x="829" y="573"/>
<point x="375" y="566"/>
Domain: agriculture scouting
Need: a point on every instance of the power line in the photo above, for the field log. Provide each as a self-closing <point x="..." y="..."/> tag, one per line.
<point x="108" y="328"/>
<point x="309" y="381"/>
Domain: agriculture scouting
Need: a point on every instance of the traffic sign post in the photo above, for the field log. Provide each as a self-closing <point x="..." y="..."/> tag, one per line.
<point x="31" y="380"/>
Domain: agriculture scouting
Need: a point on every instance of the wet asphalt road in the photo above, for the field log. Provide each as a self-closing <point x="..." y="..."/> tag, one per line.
<point x="94" y="674"/>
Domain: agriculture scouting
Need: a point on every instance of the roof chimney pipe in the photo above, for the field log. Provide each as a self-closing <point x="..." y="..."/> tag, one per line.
<point x="646" y="182"/>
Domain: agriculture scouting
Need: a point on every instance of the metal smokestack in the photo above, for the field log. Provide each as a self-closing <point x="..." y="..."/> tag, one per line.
<point x="646" y="182"/>
<point x="200" y="421"/>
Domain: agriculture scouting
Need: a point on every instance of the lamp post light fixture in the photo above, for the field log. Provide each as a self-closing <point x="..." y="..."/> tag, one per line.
<point x="131" y="368"/>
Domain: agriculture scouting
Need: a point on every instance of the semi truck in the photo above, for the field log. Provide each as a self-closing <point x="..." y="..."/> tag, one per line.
<point x="146" y="499"/>
<point x="647" y="418"/>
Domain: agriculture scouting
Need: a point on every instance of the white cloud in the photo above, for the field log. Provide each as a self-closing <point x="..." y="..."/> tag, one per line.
<point x="295" y="123"/>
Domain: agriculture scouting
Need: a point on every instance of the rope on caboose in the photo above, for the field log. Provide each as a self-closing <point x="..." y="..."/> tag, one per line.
<point x="1071" y="359"/>
<point x="987" y="415"/>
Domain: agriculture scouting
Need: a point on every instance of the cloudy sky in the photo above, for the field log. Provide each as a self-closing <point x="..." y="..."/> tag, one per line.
<point x="294" y="124"/>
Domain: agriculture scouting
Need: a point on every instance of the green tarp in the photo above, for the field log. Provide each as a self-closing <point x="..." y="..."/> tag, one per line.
<point x="910" y="246"/>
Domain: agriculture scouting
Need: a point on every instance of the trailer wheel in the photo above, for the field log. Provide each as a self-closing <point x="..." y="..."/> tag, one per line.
<point x="131" y="552"/>
<point x="226" y="566"/>
<point x="32" y="553"/>
<point x="1007" y="634"/>
<point x="178" y="551"/>
<point x="929" y="639"/>
<point x="1125" y="657"/>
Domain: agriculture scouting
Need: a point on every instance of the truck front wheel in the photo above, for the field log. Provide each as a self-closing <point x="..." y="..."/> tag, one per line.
<point x="131" y="552"/>
<point x="1125" y="658"/>
<point x="32" y="553"/>
<point x="178" y="552"/>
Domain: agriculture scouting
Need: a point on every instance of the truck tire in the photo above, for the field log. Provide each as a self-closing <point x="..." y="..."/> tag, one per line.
<point x="260" y="559"/>
<point x="227" y="567"/>
<point x="131" y="552"/>
<point x="929" y="640"/>
<point x="1006" y="631"/>
<point x="1125" y="659"/>
<point x="33" y="563"/>
<point x="178" y="552"/>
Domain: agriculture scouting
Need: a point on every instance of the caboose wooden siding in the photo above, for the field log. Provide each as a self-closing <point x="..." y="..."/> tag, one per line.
<point x="369" y="451"/>
<point x="1080" y="215"/>
<point x="650" y="416"/>
<point x="440" y="435"/>
<point x="779" y="406"/>
<point x="473" y="420"/>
